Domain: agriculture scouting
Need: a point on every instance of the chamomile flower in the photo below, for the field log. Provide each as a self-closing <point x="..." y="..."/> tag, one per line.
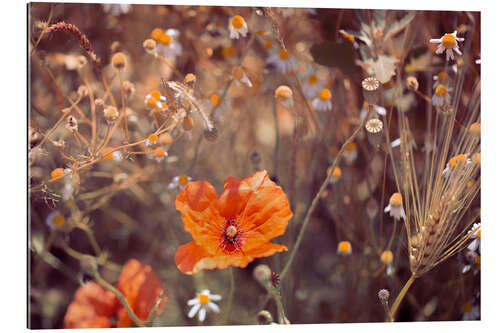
<point x="159" y="154"/>
<point x="55" y="220"/>
<point x="179" y="182"/>
<point x="313" y="84"/>
<point x="351" y="152"/>
<point x="337" y="172"/>
<point x="456" y="163"/>
<point x="152" y="140"/>
<point x="116" y="9"/>
<point x="283" y="61"/>
<point x="379" y="111"/>
<point x="395" y="206"/>
<point x="476" y="236"/>
<point x="217" y="104"/>
<point x="470" y="312"/>
<point x="284" y="95"/>
<point x="155" y="102"/>
<point x="448" y="43"/>
<point x="441" y="79"/>
<point x="240" y="77"/>
<point x="202" y="303"/>
<point x="167" y="42"/>
<point x="109" y="155"/>
<point x="237" y="27"/>
<point x="344" y="248"/>
<point x="441" y="96"/>
<point x="387" y="259"/>
<point x="323" y="101"/>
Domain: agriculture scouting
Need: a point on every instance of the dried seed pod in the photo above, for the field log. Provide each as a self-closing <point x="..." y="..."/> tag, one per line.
<point x="374" y="126"/>
<point x="211" y="133"/>
<point x="72" y="124"/>
<point x="111" y="114"/>
<point x="371" y="90"/>
<point x="128" y="88"/>
<point x="188" y="123"/>
<point x="118" y="60"/>
<point x="149" y="46"/>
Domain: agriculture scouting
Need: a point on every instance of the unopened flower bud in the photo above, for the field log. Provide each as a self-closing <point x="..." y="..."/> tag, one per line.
<point x="383" y="295"/>
<point x="264" y="317"/>
<point x="262" y="273"/>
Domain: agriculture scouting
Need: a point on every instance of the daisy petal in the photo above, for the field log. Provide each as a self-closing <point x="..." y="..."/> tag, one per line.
<point x="193" y="310"/>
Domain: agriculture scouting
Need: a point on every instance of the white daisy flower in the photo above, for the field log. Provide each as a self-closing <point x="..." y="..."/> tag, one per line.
<point x="202" y="303"/>
<point x="470" y="312"/>
<point x="152" y="140"/>
<point x="179" y="182"/>
<point x="323" y="101"/>
<point x="55" y="220"/>
<point x="283" y="61"/>
<point x="379" y="111"/>
<point x="159" y="154"/>
<point x="395" y="206"/>
<point x="476" y="236"/>
<point x="240" y="77"/>
<point x="168" y="45"/>
<point x="116" y="9"/>
<point x="448" y="42"/>
<point x="284" y="95"/>
<point x="155" y="101"/>
<point x="237" y="27"/>
<point x="312" y="85"/>
<point x="441" y="96"/>
<point x="456" y="163"/>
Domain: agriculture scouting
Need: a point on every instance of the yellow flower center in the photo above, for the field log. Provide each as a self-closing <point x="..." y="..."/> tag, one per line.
<point x="151" y="102"/>
<point x="475" y="128"/>
<point x="156" y="95"/>
<point x="454" y="161"/>
<point x="386" y="257"/>
<point x="204" y="299"/>
<point x="441" y="91"/>
<point x="443" y="78"/>
<point x="153" y="138"/>
<point x="183" y="180"/>
<point x="449" y="41"/>
<point x="159" y="152"/>
<point x="348" y="36"/>
<point x="466" y="307"/>
<point x="268" y="43"/>
<point x="237" y="21"/>
<point x="228" y="52"/>
<point x="312" y="79"/>
<point x="351" y="146"/>
<point x="344" y="247"/>
<point x="58" y="220"/>
<point x="165" y="39"/>
<point x="478" y="260"/>
<point x="56" y="173"/>
<point x="325" y="94"/>
<point x="284" y="54"/>
<point x="106" y="153"/>
<point x="478" y="234"/>
<point x="156" y="34"/>
<point x="396" y="200"/>
<point x="336" y="172"/>
<point x="214" y="99"/>
<point x="283" y="93"/>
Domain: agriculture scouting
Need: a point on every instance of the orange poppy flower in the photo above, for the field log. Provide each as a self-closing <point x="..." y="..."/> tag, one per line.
<point x="233" y="228"/>
<point x="141" y="288"/>
<point x="92" y="307"/>
<point x="95" y="307"/>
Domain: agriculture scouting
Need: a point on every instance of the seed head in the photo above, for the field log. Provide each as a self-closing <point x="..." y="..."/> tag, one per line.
<point x="211" y="133"/>
<point x="383" y="295"/>
<point x="118" y="60"/>
<point x="149" y="46"/>
<point x="371" y="89"/>
<point x="374" y="125"/>
<point x="111" y="114"/>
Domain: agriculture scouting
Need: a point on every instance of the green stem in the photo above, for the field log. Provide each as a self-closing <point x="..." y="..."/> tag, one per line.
<point x="401" y="295"/>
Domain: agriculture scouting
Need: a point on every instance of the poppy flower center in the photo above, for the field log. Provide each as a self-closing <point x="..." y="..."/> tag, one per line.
<point x="230" y="237"/>
<point x="449" y="41"/>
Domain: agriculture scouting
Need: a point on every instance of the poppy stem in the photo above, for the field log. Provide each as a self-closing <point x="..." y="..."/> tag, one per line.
<point x="231" y="296"/>
<point x="315" y="201"/>
<point x="106" y="285"/>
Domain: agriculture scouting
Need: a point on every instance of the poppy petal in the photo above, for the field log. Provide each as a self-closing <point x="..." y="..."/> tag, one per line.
<point x="191" y="258"/>
<point x="234" y="197"/>
<point x="201" y="218"/>
<point x="141" y="288"/>
<point x="266" y="216"/>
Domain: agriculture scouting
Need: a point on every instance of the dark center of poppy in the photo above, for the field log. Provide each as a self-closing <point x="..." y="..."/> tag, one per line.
<point x="230" y="240"/>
